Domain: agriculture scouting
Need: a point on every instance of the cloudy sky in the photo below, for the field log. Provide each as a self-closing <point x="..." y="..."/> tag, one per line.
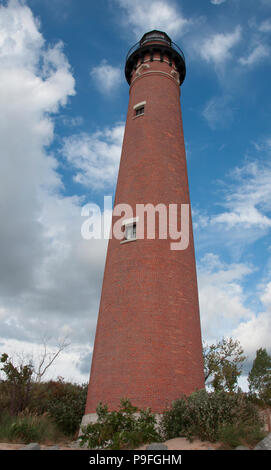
<point x="63" y="101"/>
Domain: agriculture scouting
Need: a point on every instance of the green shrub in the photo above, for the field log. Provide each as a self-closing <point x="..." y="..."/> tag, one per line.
<point x="176" y="421"/>
<point x="4" y="397"/>
<point x="27" y="428"/>
<point x="121" y="429"/>
<point x="233" y="436"/>
<point x="230" y="436"/>
<point x="66" y="405"/>
<point x="15" y="391"/>
<point x="63" y="402"/>
<point x="209" y="416"/>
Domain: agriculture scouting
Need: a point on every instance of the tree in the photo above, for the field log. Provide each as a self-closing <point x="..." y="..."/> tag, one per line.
<point x="222" y="364"/>
<point x="21" y="375"/>
<point x="259" y="378"/>
<point x="17" y="384"/>
<point x="46" y="359"/>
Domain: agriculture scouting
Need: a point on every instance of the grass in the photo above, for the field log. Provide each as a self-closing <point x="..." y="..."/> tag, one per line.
<point x="26" y="428"/>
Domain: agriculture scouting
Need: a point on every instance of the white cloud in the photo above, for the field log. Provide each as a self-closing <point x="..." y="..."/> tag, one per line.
<point x="217" y="47"/>
<point x="106" y="77"/>
<point x="217" y="2"/>
<point x="259" y="53"/>
<point x="265" y="26"/>
<point x="254" y="333"/>
<point x="242" y="211"/>
<point x="66" y="365"/>
<point x="156" y="14"/>
<point x="219" y="111"/>
<point x="49" y="276"/>
<point x="222" y="297"/>
<point x="95" y="156"/>
<point x="245" y="216"/>
<point x="262" y="145"/>
<point x="27" y="97"/>
<point x="20" y="39"/>
<point x="249" y="199"/>
<point x="266" y="296"/>
<point x="226" y="309"/>
<point x="72" y="121"/>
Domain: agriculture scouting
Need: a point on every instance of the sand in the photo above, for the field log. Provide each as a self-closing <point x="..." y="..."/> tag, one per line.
<point x="178" y="443"/>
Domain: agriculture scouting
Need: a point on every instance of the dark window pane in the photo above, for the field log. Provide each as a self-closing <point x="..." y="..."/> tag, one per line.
<point x="140" y="111"/>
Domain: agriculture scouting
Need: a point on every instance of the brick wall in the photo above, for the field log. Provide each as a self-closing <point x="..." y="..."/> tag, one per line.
<point x="148" y="338"/>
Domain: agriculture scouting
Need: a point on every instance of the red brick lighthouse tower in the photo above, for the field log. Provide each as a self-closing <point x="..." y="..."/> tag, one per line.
<point x="148" y="339"/>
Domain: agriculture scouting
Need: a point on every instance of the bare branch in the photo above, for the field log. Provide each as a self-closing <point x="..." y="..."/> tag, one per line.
<point x="47" y="359"/>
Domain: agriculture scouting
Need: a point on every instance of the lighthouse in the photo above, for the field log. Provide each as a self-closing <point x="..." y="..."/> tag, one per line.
<point x="148" y="344"/>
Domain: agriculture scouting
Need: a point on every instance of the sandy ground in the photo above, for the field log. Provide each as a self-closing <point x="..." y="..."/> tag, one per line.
<point x="12" y="446"/>
<point x="180" y="443"/>
<point x="173" y="444"/>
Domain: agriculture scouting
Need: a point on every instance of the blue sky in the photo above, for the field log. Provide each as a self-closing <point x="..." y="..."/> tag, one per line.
<point x="64" y="99"/>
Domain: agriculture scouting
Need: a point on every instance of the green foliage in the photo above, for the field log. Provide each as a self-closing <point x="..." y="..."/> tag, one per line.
<point x="259" y="378"/>
<point x="121" y="429"/>
<point x="233" y="436"/>
<point x="27" y="428"/>
<point x="17" y="385"/>
<point x="207" y="415"/>
<point x="230" y="436"/>
<point x="66" y="405"/>
<point x="222" y="364"/>
<point x="64" y="402"/>
<point x="30" y="411"/>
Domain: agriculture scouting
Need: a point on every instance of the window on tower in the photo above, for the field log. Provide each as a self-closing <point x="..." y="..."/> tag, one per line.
<point x="139" y="109"/>
<point x="129" y="229"/>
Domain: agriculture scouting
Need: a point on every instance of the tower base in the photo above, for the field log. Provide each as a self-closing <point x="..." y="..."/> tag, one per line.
<point x="91" y="418"/>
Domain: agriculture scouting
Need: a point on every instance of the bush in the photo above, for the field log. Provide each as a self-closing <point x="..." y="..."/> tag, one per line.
<point x="233" y="436"/>
<point x="209" y="416"/>
<point x="27" y="428"/>
<point x="66" y="405"/>
<point x="17" y="386"/>
<point x="121" y="429"/>
<point x="63" y="402"/>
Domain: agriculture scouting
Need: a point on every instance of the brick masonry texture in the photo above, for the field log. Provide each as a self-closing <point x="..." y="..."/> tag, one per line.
<point x="148" y="339"/>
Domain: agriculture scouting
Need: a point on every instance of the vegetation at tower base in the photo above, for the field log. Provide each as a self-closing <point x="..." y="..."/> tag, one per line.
<point x="49" y="411"/>
<point x="29" y="408"/>
<point x="230" y="418"/>
<point x="67" y="406"/>
<point x="127" y="428"/>
<point x="27" y="427"/>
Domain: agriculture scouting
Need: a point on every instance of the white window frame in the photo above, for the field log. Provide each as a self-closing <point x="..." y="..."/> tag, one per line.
<point x="138" y="106"/>
<point x="129" y="223"/>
